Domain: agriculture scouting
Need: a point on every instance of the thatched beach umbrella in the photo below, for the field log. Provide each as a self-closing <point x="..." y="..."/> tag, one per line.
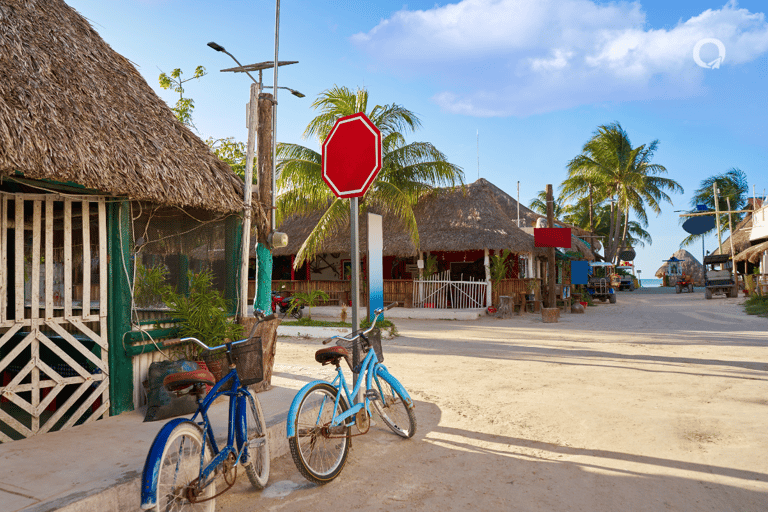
<point x="690" y="266"/>
<point x="74" y="110"/>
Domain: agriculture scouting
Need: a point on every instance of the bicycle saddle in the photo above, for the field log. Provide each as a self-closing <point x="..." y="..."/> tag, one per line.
<point x="332" y="355"/>
<point x="181" y="380"/>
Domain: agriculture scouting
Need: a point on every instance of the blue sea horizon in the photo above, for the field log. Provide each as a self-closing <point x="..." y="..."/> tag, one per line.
<point x="650" y="283"/>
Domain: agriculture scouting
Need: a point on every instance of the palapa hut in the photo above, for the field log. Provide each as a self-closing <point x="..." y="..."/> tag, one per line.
<point x="95" y="173"/>
<point x="690" y="266"/>
<point x="459" y="227"/>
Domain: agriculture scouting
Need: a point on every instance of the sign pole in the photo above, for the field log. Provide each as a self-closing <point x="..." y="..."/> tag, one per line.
<point x="355" y="257"/>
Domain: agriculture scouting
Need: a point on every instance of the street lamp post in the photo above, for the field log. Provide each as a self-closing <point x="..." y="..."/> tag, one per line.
<point x="255" y="130"/>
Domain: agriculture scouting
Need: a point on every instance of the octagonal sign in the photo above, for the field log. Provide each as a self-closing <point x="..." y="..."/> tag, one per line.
<point x="351" y="156"/>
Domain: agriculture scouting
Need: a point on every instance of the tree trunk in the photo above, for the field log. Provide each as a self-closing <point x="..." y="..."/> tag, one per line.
<point x="263" y="299"/>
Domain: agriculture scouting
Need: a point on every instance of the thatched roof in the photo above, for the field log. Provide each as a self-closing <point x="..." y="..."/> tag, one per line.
<point x="454" y="219"/>
<point x="740" y="237"/>
<point x="74" y="110"/>
<point x="690" y="266"/>
<point x="752" y="254"/>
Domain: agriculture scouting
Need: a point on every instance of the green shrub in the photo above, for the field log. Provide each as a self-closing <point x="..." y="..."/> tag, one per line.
<point x="204" y="313"/>
<point x="756" y="305"/>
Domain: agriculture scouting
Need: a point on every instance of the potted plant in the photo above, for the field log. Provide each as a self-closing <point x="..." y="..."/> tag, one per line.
<point x="530" y="289"/>
<point x="499" y="267"/>
<point x="202" y="314"/>
<point x="309" y="299"/>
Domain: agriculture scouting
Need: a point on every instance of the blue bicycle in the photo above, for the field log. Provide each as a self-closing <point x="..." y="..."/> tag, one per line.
<point x="184" y="462"/>
<point x="321" y="418"/>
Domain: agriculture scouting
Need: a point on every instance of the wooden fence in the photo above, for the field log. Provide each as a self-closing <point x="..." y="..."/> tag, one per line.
<point x="395" y="290"/>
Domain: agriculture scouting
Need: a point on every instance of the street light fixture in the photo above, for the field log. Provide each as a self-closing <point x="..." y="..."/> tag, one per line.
<point x="256" y="89"/>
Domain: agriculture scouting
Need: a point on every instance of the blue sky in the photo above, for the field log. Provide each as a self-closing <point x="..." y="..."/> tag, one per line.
<point x="535" y="79"/>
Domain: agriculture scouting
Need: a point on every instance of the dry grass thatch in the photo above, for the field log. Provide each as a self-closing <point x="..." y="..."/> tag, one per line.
<point x="456" y="219"/>
<point x="74" y="110"/>
<point x="740" y="237"/>
<point x="752" y="254"/>
<point x="690" y="266"/>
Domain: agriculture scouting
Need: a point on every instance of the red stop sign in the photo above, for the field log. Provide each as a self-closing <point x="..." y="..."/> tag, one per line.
<point x="352" y="155"/>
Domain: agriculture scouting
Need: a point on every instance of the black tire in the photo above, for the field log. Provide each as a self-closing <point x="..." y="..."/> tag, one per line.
<point x="297" y="314"/>
<point x="256" y="454"/>
<point x="690" y="288"/>
<point x="392" y="409"/>
<point x="183" y="446"/>
<point x="678" y="288"/>
<point x="707" y="293"/>
<point x="319" y="454"/>
<point x="612" y="298"/>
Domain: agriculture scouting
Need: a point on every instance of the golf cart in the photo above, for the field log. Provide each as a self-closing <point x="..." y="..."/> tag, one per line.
<point x="626" y="281"/>
<point x="602" y="281"/>
<point x="718" y="278"/>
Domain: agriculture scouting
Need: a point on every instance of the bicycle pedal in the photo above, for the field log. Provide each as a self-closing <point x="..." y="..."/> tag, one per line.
<point x="372" y="394"/>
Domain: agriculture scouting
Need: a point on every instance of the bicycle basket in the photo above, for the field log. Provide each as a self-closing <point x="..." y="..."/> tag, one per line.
<point x="247" y="356"/>
<point x="374" y="340"/>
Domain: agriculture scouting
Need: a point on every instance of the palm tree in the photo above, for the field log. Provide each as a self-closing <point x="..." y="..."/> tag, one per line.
<point x="610" y="168"/>
<point x="733" y="185"/>
<point x="539" y="205"/>
<point x="409" y="170"/>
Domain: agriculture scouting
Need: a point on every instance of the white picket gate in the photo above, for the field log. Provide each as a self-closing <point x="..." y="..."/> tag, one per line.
<point x="439" y="291"/>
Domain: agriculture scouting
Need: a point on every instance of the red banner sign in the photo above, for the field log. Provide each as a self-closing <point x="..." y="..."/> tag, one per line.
<point x="552" y="237"/>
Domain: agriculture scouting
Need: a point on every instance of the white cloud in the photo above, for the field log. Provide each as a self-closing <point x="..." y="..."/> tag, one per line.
<point x="518" y="57"/>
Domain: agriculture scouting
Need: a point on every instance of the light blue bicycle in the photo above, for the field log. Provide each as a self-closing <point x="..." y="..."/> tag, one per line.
<point x="320" y="419"/>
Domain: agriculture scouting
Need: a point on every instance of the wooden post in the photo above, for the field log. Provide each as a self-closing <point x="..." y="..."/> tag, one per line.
<point x="717" y="218"/>
<point x="253" y="128"/>
<point x="264" y="156"/>
<point x="550" y="252"/>
<point x="489" y="289"/>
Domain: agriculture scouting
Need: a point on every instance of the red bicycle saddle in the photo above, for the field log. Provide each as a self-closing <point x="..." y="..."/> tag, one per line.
<point x="331" y="355"/>
<point x="181" y="380"/>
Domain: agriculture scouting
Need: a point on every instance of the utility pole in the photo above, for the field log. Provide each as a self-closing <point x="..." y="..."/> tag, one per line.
<point x="717" y="218"/>
<point x="550" y="252"/>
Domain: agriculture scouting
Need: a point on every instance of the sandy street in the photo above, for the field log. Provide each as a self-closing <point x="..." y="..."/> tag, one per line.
<point x="659" y="402"/>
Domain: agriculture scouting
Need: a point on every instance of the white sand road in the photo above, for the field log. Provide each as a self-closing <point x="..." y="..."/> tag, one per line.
<point x="659" y="402"/>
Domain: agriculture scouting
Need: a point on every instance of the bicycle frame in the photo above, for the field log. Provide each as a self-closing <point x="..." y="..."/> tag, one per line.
<point x="368" y="368"/>
<point x="236" y="437"/>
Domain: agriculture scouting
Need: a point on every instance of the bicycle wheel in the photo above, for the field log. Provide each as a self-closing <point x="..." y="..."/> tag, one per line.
<point x="256" y="454"/>
<point x="177" y="488"/>
<point x="392" y="408"/>
<point x="319" y="450"/>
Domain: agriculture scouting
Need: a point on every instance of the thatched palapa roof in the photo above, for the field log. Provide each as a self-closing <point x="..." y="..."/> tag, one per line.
<point x="690" y="266"/>
<point x="740" y="237"/>
<point x="455" y="219"/>
<point x="74" y="110"/>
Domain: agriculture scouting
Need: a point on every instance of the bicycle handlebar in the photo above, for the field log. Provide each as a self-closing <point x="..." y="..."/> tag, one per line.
<point x="376" y="312"/>
<point x="176" y="341"/>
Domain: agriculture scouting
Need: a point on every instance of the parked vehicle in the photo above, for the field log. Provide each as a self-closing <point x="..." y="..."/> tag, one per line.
<point x="625" y="281"/>
<point x="684" y="284"/>
<point x="284" y="303"/>
<point x="601" y="282"/>
<point x="719" y="278"/>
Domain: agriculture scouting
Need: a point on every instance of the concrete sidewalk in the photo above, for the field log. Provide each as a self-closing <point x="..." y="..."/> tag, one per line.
<point x="97" y="467"/>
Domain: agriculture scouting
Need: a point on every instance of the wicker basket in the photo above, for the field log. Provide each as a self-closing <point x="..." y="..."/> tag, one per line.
<point x="247" y="356"/>
<point x="374" y="338"/>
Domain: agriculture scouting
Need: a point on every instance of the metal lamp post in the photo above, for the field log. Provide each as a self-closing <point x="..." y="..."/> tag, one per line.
<point x="253" y="130"/>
